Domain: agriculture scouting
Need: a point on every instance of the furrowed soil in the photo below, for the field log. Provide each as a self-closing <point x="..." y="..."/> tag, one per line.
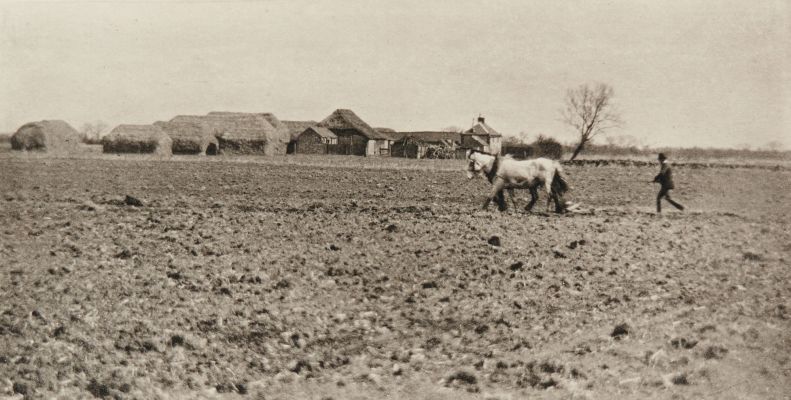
<point x="275" y="280"/>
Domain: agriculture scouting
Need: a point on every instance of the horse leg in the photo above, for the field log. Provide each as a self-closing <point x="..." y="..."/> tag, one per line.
<point x="550" y="195"/>
<point x="501" y="202"/>
<point x="513" y="198"/>
<point x="560" y="204"/>
<point x="533" y="199"/>
<point x="497" y="190"/>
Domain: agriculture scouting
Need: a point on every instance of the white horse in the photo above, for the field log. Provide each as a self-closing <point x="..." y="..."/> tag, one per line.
<point x="506" y="173"/>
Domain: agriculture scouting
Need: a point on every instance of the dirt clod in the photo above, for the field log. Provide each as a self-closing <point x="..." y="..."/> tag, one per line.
<point x="20" y="388"/>
<point x="715" y="352"/>
<point x="133" y="201"/>
<point x="680" y="379"/>
<point x="429" y="285"/>
<point x="177" y="340"/>
<point x="683" y="343"/>
<point x="494" y="241"/>
<point x="558" y="253"/>
<point x="463" y="377"/>
<point x="97" y="389"/>
<point x="620" y="330"/>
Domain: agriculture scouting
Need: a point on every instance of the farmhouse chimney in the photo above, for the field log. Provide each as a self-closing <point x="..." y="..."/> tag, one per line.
<point x="481" y="119"/>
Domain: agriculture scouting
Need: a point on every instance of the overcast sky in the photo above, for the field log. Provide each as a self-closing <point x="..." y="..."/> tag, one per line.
<point x="685" y="73"/>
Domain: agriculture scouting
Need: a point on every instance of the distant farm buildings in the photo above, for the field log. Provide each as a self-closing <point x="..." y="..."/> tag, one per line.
<point x="245" y="133"/>
<point x="425" y="144"/>
<point x="141" y="139"/>
<point x="343" y="132"/>
<point x="315" y="140"/>
<point x="294" y="129"/>
<point x="190" y="136"/>
<point x="53" y="136"/>
<point x="355" y="136"/>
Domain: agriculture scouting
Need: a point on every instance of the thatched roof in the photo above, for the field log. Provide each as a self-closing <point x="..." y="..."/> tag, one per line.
<point x="243" y="132"/>
<point x="47" y="135"/>
<point x="347" y="119"/>
<point x="429" y="136"/>
<point x="322" y="132"/>
<point x="283" y="132"/>
<point x="190" y="135"/>
<point x="297" y="127"/>
<point x="240" y="126"/>
<point x="127" y="138"/>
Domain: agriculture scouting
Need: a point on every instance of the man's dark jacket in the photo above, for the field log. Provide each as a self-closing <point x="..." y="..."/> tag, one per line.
<point x="665" y="177"/>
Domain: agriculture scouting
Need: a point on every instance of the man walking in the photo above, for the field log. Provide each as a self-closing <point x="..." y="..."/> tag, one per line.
<point x="665" y="179"/>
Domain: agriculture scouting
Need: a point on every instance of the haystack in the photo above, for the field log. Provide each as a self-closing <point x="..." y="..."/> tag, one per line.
<point x="147" y="139"/>
<point x="53" y="136"/>
<point x="190" y="135"/>
<point x="244" y="133"/>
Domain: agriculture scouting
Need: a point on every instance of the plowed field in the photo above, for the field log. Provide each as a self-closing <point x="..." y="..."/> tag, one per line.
<point x="377" y="279"/>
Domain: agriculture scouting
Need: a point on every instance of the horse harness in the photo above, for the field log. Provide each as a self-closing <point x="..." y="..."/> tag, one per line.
<point x="493" y="172"/>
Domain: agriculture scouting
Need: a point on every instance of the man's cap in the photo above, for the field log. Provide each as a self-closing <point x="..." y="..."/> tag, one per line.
<point x="662" y="156"/>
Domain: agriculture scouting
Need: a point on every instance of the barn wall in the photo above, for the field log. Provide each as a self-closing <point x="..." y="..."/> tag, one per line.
<point x="310" y="143"/>
<point x="350" y="142"/>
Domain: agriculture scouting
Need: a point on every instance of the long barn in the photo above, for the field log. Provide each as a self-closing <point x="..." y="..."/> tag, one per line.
<point x="355" y="136"/>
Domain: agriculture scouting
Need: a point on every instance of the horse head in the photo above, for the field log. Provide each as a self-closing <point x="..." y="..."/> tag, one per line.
<point x="477" y="162"/>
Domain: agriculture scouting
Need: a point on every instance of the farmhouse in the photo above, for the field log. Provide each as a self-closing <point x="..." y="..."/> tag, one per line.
<point x="482" y="137"/>
<point x="355" y="137"/>
<point x="294" y="129"/>
<point x="148" y="139"/>
<point x="315" y="140"/>
<point x="190" y="135"/>
<point x="49" y="136"/>
<point x="417" y="144"/>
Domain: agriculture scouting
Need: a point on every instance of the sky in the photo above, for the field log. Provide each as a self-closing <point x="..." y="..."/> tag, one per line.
<point x="685" y="73"/>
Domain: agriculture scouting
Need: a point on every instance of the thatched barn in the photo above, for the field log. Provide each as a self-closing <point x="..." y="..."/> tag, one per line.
<point x="418" y="144"/>
<point x="294" y="129"/>
<point x="315" y="140"/>
<point x="190" y="135"/>
<point x="52" y="136"/>
<point x="355" y="137"/>
<point x="245" y="133"/>
<point x="146" y="139"/>
<point x="482" y="137"/>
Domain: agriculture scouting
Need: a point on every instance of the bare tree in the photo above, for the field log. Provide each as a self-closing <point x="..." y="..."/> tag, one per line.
<point x="92" y="132"/>
<point x="590" y="111"/>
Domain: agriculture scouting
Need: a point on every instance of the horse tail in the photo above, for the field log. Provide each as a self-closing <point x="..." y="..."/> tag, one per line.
<point x="559" y="184"/>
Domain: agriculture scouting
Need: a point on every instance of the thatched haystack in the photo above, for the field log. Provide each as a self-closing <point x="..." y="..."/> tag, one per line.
<point x="282" y="132"/>
<point x="53" y="136"/>
<point x="190" y="135"/>
<point x="244" y="133"/>
<point x="146" y="139"/>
